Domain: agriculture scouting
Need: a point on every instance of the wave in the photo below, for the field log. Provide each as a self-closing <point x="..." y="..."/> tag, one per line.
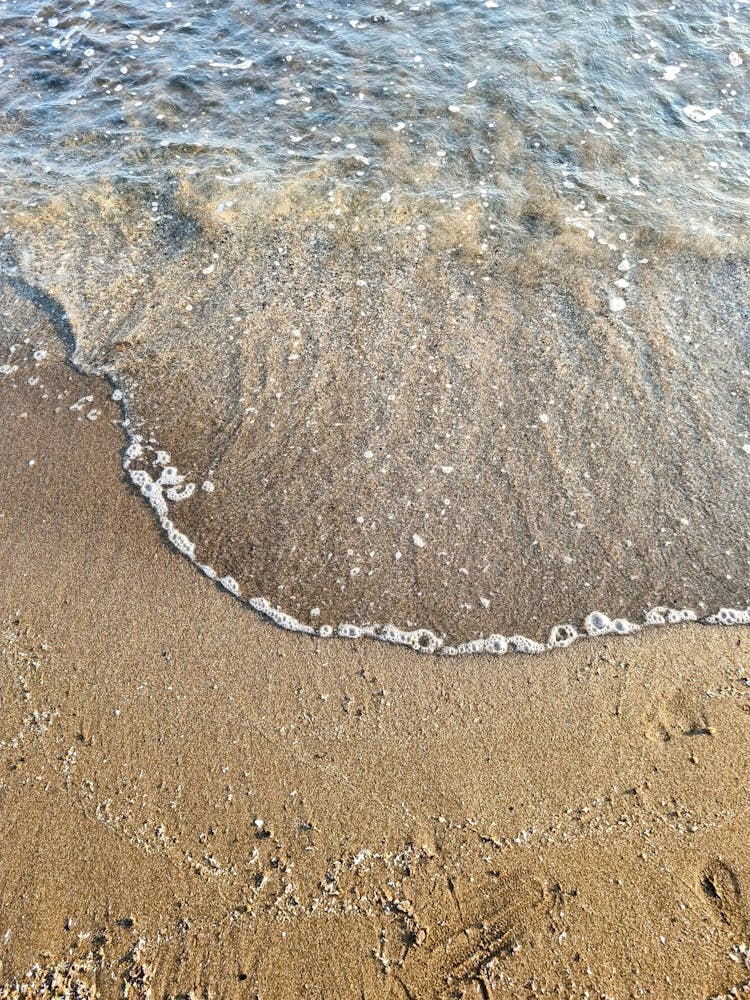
<point x="418" y="434"/>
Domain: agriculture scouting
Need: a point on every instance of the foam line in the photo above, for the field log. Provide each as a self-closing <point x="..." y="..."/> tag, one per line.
<point x="171" y="487"/>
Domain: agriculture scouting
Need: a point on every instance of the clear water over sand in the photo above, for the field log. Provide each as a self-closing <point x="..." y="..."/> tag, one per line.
<point x="442" y="308"/>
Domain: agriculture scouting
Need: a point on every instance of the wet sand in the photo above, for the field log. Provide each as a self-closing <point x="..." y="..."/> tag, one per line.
<point x="447" y="430"/>
<point x="197" y="804"/>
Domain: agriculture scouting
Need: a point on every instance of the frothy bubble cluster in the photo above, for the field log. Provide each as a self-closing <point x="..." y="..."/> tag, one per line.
<point x="600" y="624"/>
<point x="278" y="616"/>
<point x="730" y="616"/>
<point x="669" y="616"/>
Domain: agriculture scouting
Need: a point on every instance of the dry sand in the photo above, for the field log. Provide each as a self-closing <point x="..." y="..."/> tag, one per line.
<point x="196" y="804"/>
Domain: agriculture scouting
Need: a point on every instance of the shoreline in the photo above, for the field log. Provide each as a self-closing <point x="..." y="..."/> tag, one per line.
<point x="198" y="803"/>
<point x="170" y="485"/>
<point x="553" y="527"/>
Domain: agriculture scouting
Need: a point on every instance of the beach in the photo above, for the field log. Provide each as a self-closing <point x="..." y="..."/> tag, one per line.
<point x="198" y="804"/>
<point x="374" y="521"/>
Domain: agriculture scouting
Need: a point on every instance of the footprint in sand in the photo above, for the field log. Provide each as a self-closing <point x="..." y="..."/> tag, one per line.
<point x="722" y="889"/>
<point x="449" y="967"/>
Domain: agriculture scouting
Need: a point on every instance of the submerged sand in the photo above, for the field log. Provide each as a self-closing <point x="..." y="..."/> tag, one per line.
<point x="196" y="804"/>
<point x="442" y="424"/>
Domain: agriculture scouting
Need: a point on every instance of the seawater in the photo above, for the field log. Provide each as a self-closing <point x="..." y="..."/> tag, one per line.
<point x="429" y="319"/>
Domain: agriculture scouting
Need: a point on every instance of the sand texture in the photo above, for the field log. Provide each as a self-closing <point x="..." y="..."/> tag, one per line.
<point x="197" y="804"/>
<point x="423" y="326"/>
<point x="442" y="430"/>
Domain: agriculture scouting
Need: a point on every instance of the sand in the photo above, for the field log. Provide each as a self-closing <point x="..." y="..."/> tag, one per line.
<point x="197" y="804"/>
<point x="448" y="431"/>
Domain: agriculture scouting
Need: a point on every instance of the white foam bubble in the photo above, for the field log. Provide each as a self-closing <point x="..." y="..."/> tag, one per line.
<point x="496" y="645"/>
<point x="349" y="631"/>
<point x="668" y="616"/>
<point x="597" y="623"/>
<point x="698" y="114"/>
<point x="423" y="640"/>
<point x="729" y="616"/>
<point x="140" y="478"/>
<point x="80" y="404"/>
<point x="522" y="644"/>
<point x="180" y="541"/>
<point x="390" y="633"/>
<point x="229" y="583"/>
<point x="134" y="450"/>
<point x="562" y="635"/>
<point x="178" y="493"/>
<point x="473" y="646"/>
<point x="621" y="626"/>
<point x="170" y="476"/>
<point x="279" y="617"/>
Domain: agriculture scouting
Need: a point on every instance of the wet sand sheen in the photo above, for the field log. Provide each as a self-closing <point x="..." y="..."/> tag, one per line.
<point x="436" y="429"/>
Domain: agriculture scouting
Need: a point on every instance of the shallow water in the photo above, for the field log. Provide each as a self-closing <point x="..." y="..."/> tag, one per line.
<point x="440" y="309"/>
